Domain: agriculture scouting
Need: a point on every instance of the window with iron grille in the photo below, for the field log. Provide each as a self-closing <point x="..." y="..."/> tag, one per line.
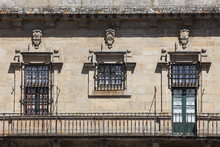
<point x="36" y="89"/>
<point x="110" y="77"/>
<point x="184" y="75"/>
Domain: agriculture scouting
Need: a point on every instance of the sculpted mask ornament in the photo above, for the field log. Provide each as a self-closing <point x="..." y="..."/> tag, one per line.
<point x="184" y="38"/>
<point x="36" y="38"/>
<point x="109" y="37"/>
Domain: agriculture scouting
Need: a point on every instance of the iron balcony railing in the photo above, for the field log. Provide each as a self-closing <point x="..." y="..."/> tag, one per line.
<point x="105" y="124"/>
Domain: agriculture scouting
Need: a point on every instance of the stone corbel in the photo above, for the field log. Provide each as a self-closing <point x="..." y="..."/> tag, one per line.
<point x="16" y="63"/>
<point x="204" y="63"/>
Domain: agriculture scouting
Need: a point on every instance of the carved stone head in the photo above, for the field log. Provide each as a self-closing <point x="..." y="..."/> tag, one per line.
<point x="36" y="38"/>
<point x="184" y="38"/>
<point x="109" y="37"/>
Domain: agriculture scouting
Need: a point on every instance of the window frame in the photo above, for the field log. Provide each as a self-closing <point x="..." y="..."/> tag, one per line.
<point x="184" y="78"/>
<point x="114" y="82"/>
<point x="41" y="90"/>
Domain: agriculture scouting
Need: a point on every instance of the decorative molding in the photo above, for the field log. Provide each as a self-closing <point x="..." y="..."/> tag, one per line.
<point x="109" y="37"/>
<point x="107" y="57"/>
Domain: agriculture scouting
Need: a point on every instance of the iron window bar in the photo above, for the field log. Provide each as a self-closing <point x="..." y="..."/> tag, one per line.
<point x="184" y="75"/>
<point x="36" y="89"/>
<point x="110" y="77"/>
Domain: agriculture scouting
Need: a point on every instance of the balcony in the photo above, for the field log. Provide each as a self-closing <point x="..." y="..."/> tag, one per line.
<point x="104" y="124"/>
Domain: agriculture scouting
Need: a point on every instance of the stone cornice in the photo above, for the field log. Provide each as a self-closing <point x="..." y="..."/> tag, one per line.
<point x="111" y="10"/>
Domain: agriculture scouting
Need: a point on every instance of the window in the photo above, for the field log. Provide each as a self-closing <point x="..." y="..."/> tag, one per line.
<point x="110" y="77"/>
<point x="184" y="75"/>
<point x="184" y="80"/>
<point x="36" y="89"/>
<point x="184" y="110"/>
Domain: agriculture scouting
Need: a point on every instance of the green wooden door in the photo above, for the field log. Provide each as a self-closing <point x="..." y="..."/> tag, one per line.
<point x="184" y="111"/>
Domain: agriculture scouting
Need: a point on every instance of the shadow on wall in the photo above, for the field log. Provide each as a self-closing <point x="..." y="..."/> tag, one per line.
<point x="97" y="27"/>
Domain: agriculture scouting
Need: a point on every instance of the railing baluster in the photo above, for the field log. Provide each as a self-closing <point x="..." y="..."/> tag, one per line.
<point x="146" y="124"/>
<point x="61" y="125"/>
<point x="25" y="126"/>
<point x="105" y="124"/>
<point x="83" y="124"/>
<point x="203" y="125"/>
<point x="131" y="119"/>
<point x="142" y="121"/>
<point x="3" y="124"/>
<point x="112" y="124"/>
<point x="119" y="123"/>
<point x="127" y="123"/>
<point x="56" y="123"/>
<point x="87" y="124"/>
<point x="29" y="126"/>
<point x="198" y="122"/>
<point x="72" y="119"/>
<point x="212" y="124"/>
<point x="108" y="123"/>
<point x="216" y="133"/>
<point x="208" y="125"/>
<point x="99" y="125"/>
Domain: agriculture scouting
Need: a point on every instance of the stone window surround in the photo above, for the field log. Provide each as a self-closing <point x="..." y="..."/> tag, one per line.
<point x="24" y="58"/>
<point x="110" y="76"/>
<point x="189" y="57"/>
<point x="108" y="57"/>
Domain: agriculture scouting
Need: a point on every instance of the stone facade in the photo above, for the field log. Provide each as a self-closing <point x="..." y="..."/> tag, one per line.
<point x="73" y="35"/>
<point x="74" y="44"/>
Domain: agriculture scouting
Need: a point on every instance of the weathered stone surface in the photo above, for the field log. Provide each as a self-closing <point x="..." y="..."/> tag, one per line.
<point x="108" y="6"/>
<point x="145" y="44"/>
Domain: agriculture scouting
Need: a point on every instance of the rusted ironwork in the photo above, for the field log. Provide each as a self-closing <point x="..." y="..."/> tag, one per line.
<point x="102" y="124"/>
<point x="36" y="89"/>
<point x="110" y="77"/>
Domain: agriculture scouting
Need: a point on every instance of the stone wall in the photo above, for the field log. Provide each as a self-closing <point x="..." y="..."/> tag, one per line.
<point x="143" y="40"/>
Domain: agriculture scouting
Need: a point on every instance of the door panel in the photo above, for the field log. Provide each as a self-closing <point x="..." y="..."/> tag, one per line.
<point x="184" y="110"/>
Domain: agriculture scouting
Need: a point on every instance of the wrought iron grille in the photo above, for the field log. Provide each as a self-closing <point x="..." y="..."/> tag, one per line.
<point x="110" y="77"/>
<point x="36" y="89"/>
<point x="184" y="75"/>
<point x="105" y="124"/>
